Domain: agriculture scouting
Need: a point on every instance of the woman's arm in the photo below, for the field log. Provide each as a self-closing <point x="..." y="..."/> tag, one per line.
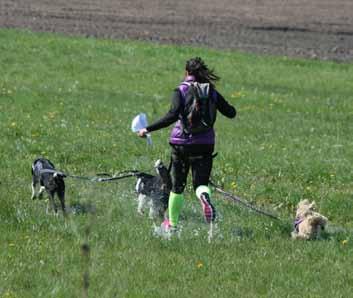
<point x="170" y="117"/>
<point x="224" y="107"/>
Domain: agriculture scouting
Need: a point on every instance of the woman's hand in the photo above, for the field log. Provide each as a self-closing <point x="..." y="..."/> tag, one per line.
<point x="142" y="133"/>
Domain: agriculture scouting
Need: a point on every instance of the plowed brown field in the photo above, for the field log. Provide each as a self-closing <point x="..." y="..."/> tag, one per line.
<point x="301" y="28"/>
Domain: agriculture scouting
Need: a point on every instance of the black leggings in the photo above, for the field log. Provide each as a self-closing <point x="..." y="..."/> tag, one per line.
<point x="199" y="157"/>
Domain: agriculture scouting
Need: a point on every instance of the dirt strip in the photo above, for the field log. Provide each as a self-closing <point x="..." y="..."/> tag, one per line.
<point x="317" y="29"/>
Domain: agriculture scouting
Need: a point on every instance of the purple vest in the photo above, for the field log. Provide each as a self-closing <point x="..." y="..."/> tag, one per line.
<point x="178" y="136"/>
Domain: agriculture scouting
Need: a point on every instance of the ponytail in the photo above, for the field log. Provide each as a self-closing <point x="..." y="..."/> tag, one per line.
<point x="197" y="68"/>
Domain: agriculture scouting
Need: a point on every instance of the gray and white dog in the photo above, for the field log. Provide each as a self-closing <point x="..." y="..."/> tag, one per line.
<point x="50" y="180"/>
<point x="153" y="192"/>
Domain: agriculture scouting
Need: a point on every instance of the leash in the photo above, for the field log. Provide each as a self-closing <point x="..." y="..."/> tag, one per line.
<point x="139" y="174"/>
<point x="236" y="199"/>
<point x="117" y="176"/>
<point x="122" y="175"/>
<point x="65" y="175"/>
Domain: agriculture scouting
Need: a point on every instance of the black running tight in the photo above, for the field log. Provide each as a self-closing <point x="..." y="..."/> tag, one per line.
<point x="198" y="158"/>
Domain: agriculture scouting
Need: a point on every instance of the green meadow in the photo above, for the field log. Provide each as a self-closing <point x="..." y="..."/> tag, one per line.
<point x="72" y="100"/>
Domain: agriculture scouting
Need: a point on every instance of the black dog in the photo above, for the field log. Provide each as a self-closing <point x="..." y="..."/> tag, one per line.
<point x="153" y="191"/>
<point x="50" y="180"/>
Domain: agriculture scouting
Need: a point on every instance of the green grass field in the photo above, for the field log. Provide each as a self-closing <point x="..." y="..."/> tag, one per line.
<point x="72" y="100"/>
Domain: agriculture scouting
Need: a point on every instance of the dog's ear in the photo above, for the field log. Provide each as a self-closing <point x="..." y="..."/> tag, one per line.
<point x="158" y="163"/>
<point x="312" y="205"/>
<point x="303" y="203"/>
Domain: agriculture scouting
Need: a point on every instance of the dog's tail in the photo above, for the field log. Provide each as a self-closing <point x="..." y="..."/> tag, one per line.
<point x="59" y="175"/>
<point x="317" y="220"/>
<point x="54" y="172"/>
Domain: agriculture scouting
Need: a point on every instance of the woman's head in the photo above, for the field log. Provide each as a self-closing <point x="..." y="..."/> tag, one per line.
<point x="197" y="68"/>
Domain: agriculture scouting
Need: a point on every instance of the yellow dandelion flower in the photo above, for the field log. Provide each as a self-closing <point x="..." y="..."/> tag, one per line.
<point x="236" y="94"/>
<point x="344" y="242"/>
<point x="199" y="264"/>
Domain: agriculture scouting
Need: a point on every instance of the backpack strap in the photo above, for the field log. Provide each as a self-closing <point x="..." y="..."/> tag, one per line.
<point x="202" y="90"/>
<point x="183" y="88"/>
<point x="185" y="85"/>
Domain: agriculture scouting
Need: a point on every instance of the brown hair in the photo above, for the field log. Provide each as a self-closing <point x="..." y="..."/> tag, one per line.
<point x="197" y="67"/>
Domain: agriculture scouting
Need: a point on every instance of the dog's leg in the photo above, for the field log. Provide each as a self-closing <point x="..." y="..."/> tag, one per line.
<point x="40" y="192"/>
<point x="302" y="235"/>
<point x="62" y="202"/>
<point x="49" y="206"/>
<point x="154" y="209"/>
<point x="142" y="200"/>
<point x="33" y="197"/>
<point x="51" y="203"/>
<point x="294" y="235"/>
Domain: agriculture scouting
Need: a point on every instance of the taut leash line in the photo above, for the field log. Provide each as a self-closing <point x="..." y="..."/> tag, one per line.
<point x="118" y="176"/>
<point x="235" y="198"/>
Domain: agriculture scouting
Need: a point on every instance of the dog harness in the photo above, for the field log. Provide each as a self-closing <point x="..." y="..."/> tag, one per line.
<point x="297" y="222"/>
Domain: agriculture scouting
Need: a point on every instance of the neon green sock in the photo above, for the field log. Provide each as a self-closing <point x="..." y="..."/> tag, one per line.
<point x="175" y="204"/>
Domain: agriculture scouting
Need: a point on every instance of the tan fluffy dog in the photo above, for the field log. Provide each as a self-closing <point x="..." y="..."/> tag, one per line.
<point x="308" y="223"/>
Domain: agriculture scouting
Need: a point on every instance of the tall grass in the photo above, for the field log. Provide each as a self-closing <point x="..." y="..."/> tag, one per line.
<point x="72" y="100"/>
